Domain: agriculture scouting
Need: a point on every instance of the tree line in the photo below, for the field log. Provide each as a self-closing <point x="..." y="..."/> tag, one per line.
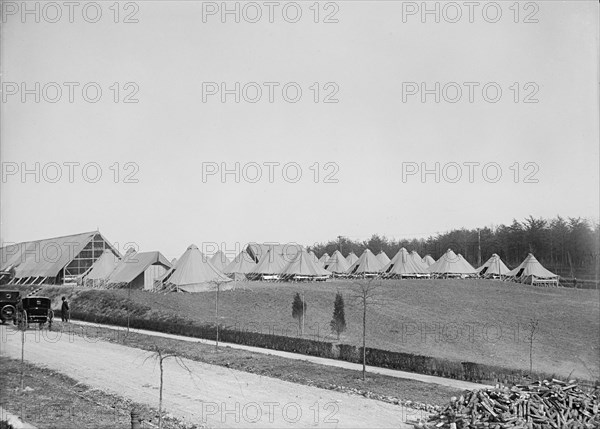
<point x="568" y="245"/>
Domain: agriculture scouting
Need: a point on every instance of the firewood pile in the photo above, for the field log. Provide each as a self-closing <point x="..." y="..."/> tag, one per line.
<point x="543" y="404"/>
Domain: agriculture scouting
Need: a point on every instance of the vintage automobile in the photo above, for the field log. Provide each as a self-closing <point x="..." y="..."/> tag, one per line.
<point x="9" y="299"/>
<point x="35" y="309"/>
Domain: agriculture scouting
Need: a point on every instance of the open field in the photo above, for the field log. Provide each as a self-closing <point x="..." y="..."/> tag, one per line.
<point x="482" y="321"/>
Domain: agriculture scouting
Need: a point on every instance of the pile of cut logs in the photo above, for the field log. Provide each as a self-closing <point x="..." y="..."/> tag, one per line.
<point x="543" y="404"/>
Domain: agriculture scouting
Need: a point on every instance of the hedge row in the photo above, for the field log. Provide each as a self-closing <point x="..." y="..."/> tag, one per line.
<point x="409" y="362"/>
<point x="209" y="332"/>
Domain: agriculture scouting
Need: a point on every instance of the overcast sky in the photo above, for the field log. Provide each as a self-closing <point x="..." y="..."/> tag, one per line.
<point x="371" y="144"/>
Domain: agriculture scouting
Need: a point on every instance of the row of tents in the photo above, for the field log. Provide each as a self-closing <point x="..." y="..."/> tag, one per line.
<point x="196" y="272"/>
<point x="411" y="265"/>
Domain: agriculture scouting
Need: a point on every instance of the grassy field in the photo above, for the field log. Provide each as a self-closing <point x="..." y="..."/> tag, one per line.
<point x="482" y="321"/>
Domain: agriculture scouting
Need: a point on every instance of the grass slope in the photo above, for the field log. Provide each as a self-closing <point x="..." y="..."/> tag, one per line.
<point x="481" y="321"/>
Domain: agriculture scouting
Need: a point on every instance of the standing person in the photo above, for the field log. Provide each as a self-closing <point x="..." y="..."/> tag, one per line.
<point x="64" y="310"/>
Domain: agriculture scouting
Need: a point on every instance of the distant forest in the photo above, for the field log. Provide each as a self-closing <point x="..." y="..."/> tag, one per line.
<point x="569" y="246"/>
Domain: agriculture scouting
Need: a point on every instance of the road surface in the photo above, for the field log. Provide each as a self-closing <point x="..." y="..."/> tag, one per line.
<point x="449" y="382"/>
<point x="211" y="395"/>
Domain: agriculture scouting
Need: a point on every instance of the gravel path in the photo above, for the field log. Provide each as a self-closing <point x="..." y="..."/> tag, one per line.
<point x="449" y="382"/>
<point x="210" y="395"/>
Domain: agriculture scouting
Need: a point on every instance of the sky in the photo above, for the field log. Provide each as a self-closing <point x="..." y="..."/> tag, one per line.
<point x="142" y="160"/>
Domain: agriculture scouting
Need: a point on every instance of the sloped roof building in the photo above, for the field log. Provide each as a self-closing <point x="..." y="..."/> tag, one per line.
<point x="54" y="260"/>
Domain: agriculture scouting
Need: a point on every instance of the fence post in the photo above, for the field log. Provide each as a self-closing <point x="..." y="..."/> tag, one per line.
<point x="135" y="419"/>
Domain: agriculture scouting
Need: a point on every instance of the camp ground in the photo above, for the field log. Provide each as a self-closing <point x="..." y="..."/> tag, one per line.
<point x="98" y="264"/>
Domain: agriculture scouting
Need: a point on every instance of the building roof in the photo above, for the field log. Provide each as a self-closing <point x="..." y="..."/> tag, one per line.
<point x="45" y="258"/>
<point x="133" y="264"/>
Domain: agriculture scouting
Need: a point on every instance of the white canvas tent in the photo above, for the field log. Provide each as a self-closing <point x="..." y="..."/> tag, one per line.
<point x="270" y="266"/>
<point x="102" y="268"/>
<point x="193" y="272"/>
<point x="403" y="265"/>
<point x="493" y="268"/>
<point x="304" y="268"/>
<point x="337" y="264"/>
<point x="428" y="260"/>
<point x="367" y="265"/>
<point x="351" y="258"/>
<point x="452" y="265"/>
<point x="532" y="272"/>
<point x="419" y="262"/>
<point x="313" y="256"/>
<point x="286" y="251"/>
<point x="138" y="270"/>
<point x="324" y="258"/>
<point x="240" y="267"/>
<point x="220" y="260"/>
<point x="383" y="258"/>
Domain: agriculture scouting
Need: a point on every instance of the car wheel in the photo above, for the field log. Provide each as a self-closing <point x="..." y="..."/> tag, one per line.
<point x="8" y="312"/>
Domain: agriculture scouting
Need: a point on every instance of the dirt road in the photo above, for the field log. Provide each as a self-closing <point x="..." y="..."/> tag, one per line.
<point x="210" y="395"/>
<point x="449" y="382"/>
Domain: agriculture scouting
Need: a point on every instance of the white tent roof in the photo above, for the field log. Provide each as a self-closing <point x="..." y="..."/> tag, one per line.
<point x="103" y="266"/>
<point x="324" y="258"/>
<point x="531" y="267"/>
<point x="419" y="262"/>
<point x="451" y="263"/>
<point x="403" y="264"/>
<point x="270" y="263"/>
<point x="366" y="264"/>
<point x="351" y="258"/>
<point x="220" y="260"/>
<point x="303" y="265"/>
<point x="133" y="264"/>
<point x="241" y="264"/>
<point x="428" y="260"/>
<point x="492" y="266"/>
<point x="383" y="258"/>
<point x="337" y="263"/>
<point x="287" y="251"/>
<point x="193" y="272"/>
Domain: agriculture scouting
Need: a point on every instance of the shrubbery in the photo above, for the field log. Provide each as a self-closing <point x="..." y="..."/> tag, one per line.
<point x="409" y="362"/>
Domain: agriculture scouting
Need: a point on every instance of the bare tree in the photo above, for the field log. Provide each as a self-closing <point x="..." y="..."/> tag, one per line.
<point x="217" y="286"/>
<point x="23" y="327"/>
<point x="366" y="293"/>
<point x="160" y="355"/>
<point x="532" y="329"/>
